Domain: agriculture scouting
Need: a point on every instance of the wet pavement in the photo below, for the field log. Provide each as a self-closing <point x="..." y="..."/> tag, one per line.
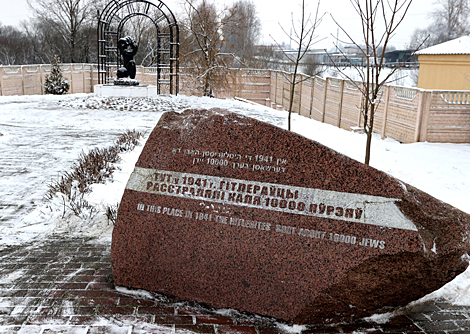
<point x="65" y="285"/>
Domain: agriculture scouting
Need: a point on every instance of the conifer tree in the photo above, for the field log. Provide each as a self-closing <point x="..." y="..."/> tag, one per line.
<point x="55" y="83"/>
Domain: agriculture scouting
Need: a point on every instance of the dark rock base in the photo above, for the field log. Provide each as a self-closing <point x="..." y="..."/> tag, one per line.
<point x="126" y="82"/>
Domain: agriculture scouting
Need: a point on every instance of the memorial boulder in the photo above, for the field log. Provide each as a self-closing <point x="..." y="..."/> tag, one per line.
<point x="233" y="212"/>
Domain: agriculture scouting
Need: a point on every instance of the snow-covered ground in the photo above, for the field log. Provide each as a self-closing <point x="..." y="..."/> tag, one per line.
<point x="41" y="136"/>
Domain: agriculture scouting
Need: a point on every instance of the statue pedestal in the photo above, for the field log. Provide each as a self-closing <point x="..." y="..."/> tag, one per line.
<point x="126" y="91"/>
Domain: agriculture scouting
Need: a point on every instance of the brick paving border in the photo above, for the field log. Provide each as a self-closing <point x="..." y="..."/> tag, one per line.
<point x="64" y="285"/>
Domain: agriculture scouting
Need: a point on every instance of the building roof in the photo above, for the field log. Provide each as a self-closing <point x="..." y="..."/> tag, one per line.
<point x="456" y="46"/>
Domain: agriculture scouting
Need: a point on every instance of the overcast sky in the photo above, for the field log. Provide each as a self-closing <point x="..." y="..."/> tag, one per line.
<point x="275" y="12"/>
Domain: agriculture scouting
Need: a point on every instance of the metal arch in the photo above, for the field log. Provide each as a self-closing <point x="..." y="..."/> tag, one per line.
<point x="109" y="31"/>
<point x="110" y="11"/>
<point x="128" y="17"/>
<point x="110" y="14"/>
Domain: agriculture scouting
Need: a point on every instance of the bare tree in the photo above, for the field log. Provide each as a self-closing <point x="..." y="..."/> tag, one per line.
<point x="241" y="29"/>
<point x="304" y="36"/>
<point x="14" y="47"/>
<point x="67" y="20"/>
<point x="312" y="65"/>
<point x="449" y="20"/>
<point x="202" y="45"/>
<point x="45" y="42"/>
<point x="379" y="21"/>
<point x="421" y="37"/>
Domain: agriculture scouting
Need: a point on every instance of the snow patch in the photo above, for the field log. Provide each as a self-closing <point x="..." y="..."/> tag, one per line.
<point x="381" y="318"/>
<point x="291" y="328"/>
<point x="11" y="277"/>
<point x="136" y="293"/>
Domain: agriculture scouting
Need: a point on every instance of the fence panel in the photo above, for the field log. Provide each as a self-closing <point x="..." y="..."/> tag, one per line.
<point x="94" y="76"/>
<point x="402" y="114"/>
<point x="45" y="71"/>
<point x="88" y="78"/>
<point x="333" y="100"/>
<point x="255" y="85"/>
<point x="319" y="90"/>
<point x="286" y="85"/>
<point x="351" y="106"/>
<point x="405" y="114"/>
<point x="449" y="117"/>
<point x="380" y="107"/>
<point x="77" y="74"/>
<point x="273" y="88"/>
<point x="187" y="84"/>
<point x="32" y="80"/>
<point x="149" y="76"/>
<point x="12" y="80"/>
<point x="306" y="102"/>
<point x="280" y="89"/>
<point x="297" y="94"/>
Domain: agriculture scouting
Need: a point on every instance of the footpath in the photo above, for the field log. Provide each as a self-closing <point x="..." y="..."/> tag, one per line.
<point x="65" y="285"/>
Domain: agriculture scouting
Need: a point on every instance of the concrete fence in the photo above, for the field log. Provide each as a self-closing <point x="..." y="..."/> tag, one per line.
<point x="29" y="79"/>
<point x="405" y="114"/>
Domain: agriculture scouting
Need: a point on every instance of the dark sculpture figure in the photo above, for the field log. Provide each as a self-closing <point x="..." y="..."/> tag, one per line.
<point x="128" y="48"/>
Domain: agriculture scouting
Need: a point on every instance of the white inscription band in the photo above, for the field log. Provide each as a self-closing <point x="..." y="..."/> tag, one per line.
<point x="365" y="209"/>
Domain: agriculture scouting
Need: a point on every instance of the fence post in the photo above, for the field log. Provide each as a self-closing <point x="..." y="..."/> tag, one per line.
<point x="422" y="117"/>
<point x="1" y="81"/>
<point x="387" y="99"/>
<point x="289" y="91"/>
<point x="84" y="78"/>
<point x="283" y="89"/>
<point x="234" y="84"/>
<point x="312" y="94"/>
<point x="359" y="119"/>
<point x="23" y="83"/>
<point x="71" y="78"/>
<point x="283" y="92"/>
<point x="340" y="107"/>
<point x="40" y="79"/>
<point x="300" y="94"/>
<point x="275" y="89"/>
<point x="324" y="100"/>
<point x="92" y="86"/>
<point x="240" y="81"/>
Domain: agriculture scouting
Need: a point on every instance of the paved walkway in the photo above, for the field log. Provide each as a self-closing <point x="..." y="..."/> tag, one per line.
<point x="64" y="285"/>
<point x="39" y="140"/>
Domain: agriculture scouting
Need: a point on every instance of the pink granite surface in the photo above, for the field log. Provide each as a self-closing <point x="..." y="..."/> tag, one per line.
<point x="212" y="215"/>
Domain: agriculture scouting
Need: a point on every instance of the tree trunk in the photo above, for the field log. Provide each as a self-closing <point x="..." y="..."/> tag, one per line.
<point x="291" y="100"/>
<point x="370" y="128"/>
<point x="368" y="145"/>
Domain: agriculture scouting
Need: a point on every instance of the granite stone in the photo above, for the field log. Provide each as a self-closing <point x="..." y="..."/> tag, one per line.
<point x="232" y="212"/>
